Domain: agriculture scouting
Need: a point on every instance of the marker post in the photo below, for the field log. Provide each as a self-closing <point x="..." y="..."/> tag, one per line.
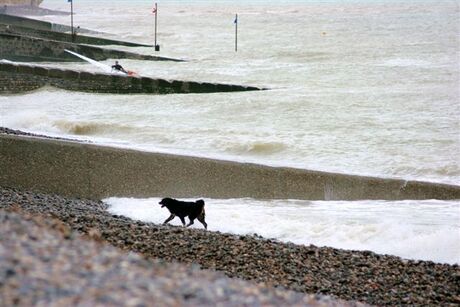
<point x="155" y="11"/>
<point x="71" y="20"/>
<point x="236" y="32"/>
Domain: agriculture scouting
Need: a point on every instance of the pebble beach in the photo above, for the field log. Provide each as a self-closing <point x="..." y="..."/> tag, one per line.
<point x="45" y="263"/>
<point x="58" y="251"/>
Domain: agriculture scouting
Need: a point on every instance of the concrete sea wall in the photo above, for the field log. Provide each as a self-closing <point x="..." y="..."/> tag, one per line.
<point x="30" y="10"/>
<point x="64" y="37"/>
<point x="22" y="2"/>
<point x="24" y="48"/>
<point x="84" y="170"/>
<point x="16" y="78"/>
<point x="38" y="24"/>
<point x="24" y="22"/>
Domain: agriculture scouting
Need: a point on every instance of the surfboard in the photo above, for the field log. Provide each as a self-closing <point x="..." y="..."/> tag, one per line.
<point x="103" y="67"/>
<point x="7" y="61"/>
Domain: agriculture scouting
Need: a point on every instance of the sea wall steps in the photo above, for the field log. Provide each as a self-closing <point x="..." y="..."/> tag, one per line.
<point x="19" y="78"/>
<point x="85" y="170"/>
<point x="29" y="49"/>
<point x="64" y="37"/>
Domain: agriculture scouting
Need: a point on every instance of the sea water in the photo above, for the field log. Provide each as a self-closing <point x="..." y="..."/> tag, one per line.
<point x="356" y="87"/>
<point x="420" y="230"/>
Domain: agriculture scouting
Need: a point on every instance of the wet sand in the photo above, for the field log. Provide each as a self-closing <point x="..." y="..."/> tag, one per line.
<point x="83" y="169"/>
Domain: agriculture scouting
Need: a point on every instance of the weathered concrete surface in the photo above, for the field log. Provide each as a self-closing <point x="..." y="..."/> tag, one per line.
<point x="64" y="37"/>
<point x="38" y="24"/>
<point x="25" y="48"/>
<point x="18" y="78"/>
<point x="22" y="2"/>
<point x="84" y="170"/>
<point x="29" y="10"/>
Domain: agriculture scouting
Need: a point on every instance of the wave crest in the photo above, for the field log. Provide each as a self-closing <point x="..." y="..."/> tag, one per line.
<point x="255" y="147"/>
<point x="89" y="128"/>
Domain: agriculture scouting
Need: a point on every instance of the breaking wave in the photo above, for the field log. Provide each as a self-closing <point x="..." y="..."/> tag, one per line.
<point x="253" y="147"/>
<point x="91" y="128"/>
<point x="421" y="230"/>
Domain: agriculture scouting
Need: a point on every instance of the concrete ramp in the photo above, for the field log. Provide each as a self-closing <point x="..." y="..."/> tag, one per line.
<point x="84" y="170"/>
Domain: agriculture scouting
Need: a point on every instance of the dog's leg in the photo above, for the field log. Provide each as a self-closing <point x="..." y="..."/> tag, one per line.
<point x="201" y="219"/>
<point x="169" y="218"/>
<point x="183" y="220"/>
<point x="191" y="222"/>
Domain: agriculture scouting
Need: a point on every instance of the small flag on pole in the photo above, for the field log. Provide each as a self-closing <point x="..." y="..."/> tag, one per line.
<point x="236" y="19"/>
<point x="154" y="10"/>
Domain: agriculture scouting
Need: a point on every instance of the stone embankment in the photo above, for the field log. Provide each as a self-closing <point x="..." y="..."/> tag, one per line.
<point x="16" y="78"/>
<point x="25" y="48"/>
<point x="82" y="170"/>
<point x="38" y="24"/>
<point x="28" y="10"/>
<point x="34" y="3"/>
<point x="87" y="271"/>
<point x="64" y="37"/>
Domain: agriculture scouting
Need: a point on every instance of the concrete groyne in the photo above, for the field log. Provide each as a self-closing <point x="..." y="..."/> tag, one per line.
<point x="24" y="48"/>
<point x="64" y="37"/>
<point x="34" y="3"/>
<point x="18" y="78"/>
<point x="84" y="170"/>
<point x="29" y="10"/>
<point x="38" y="24"/>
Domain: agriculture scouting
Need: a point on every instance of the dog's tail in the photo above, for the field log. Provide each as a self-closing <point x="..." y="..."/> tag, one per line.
<point x="201" y="203"/>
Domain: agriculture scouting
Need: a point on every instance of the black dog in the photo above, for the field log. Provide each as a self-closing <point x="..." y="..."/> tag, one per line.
<point x="194" y="210"/>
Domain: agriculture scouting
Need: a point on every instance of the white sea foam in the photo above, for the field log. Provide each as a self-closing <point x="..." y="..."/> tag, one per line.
<point x="423" y="230"/>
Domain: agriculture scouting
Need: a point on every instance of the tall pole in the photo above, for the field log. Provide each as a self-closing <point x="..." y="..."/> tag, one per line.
<point x="71" y="17"/>
<point x="236" y="32"/>
<point x="157" y="48"/>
